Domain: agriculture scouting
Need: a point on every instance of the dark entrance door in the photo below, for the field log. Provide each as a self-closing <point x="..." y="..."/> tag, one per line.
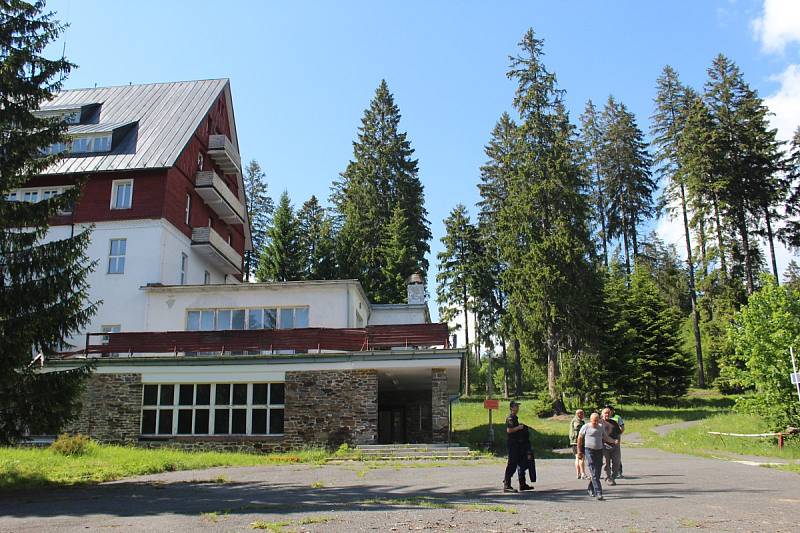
<point x="392" y="425"/>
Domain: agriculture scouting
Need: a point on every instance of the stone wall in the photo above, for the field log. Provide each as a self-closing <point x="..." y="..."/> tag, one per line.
<point x="110" y="408"/>
<point x="245" y="444"/>
<point x="331" y="407"/>
<point x="440" y="405"/>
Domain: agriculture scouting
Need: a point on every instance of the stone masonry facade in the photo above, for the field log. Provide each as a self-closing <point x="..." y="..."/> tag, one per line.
<point x="331" y="407"/>
<point x="440" y="406"/>
<point x="110" y="408"/>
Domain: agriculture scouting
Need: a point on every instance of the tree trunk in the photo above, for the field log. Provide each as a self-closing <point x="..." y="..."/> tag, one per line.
<point x="552" y="373"/>
<point x="505" y="366"/>
<point x="702" y="233"/>
<point x="627" y="256"/>
<point x="698" y="348"/>
<point x="720" y="245"/>
<point x="517" y="368"/>
<point x="770" y="238"/>
<point x="466" y="339"/>
<point x="748" y="264"/>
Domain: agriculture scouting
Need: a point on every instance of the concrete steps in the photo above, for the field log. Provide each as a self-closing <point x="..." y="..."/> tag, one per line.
<point x="426" y="452"/>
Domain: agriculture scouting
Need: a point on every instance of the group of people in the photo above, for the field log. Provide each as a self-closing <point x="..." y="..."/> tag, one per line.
<point x="596" y="445"/>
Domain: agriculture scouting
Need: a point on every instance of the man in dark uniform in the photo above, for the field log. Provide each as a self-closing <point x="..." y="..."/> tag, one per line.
<point x="514" y="430"/>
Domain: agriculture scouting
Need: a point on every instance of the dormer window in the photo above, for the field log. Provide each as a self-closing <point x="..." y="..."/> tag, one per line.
<point x="91" y="144"/>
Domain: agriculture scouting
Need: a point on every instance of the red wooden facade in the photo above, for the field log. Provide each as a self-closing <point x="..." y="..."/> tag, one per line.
<point x="241" y="341"/>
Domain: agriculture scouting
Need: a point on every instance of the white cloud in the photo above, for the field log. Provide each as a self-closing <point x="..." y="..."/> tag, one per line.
<point x="785" y="103"/>
<point x="778" y="25"/>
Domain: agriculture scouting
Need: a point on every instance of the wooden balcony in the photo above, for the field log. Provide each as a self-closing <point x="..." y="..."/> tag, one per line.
<point x="219" y="197"/>
<point x="224" y="154"/>
<point x="208" y="242"/>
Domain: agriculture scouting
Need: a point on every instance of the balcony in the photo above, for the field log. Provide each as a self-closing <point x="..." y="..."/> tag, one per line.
<point x="224" y="154"/>
<point x="208" y="242"/>
<point x="219" y="197"/>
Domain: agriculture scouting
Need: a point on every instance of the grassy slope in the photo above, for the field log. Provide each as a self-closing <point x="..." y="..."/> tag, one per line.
<point x="31" y="467"/>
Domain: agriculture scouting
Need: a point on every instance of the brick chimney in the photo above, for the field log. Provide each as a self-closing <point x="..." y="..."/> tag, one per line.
<point x="415" y="287"/>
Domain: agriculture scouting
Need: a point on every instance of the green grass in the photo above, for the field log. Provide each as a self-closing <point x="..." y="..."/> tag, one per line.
<point x="470" y="421"/>
<point x="38" y="467"/>
<point x="425" y="502"/>
<point x="277" y="527"/>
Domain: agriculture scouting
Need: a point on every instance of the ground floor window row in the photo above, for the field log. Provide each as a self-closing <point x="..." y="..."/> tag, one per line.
<point x="213" y="409"/>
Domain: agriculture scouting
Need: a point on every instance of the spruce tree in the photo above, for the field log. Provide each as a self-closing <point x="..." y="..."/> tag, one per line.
<point x="592" y="136"/>
<point x="628" y="180"/>
<point x="381" y="176"/>
<point x="316" y="241"/>
<point x="543" y="225"/>
<point x="790" y="234"/>
<point x="43" y="287"/>
<point x="667" y="128"/>
<point x="259" y="210"/>
<point x="456" y="268"/>
<point x="399" y="261"/>
<point x="661" y="371"/>
<point x="281" y="259"/>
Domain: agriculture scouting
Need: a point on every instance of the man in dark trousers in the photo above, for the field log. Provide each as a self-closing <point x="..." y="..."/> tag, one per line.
<point x="516" y="438"/>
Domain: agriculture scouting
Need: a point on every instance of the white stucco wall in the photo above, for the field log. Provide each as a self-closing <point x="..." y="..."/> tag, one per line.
<point x="397" y="314"/>
<point x="328" y="302"/>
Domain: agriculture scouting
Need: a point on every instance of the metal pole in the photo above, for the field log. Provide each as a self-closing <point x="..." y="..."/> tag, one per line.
<point x="794" y="369"/>
<point x="490" y="378"/>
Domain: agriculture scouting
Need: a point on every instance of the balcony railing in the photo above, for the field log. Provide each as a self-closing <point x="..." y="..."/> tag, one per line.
<point x="224" y="154"/>
<point x="219" y="197"/>
<point x="212" y="245"/>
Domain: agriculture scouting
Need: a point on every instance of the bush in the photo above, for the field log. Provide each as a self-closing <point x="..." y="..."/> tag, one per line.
<point x="73" y="445"/>
<point x="541" y="405"/>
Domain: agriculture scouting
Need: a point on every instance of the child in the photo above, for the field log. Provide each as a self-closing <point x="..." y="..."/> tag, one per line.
<point x="528" y="461"/>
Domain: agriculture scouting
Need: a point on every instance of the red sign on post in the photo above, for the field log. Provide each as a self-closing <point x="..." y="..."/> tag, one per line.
<point x="491" y="404"/>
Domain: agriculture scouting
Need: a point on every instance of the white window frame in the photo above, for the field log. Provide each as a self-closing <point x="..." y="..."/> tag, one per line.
<point x="116" y="184"/>
<point x="95" y="144"/>
<point x="117" y="257"/>
<point x="188" y="210"/>
<point x="248" y="312"/>
<point x="212" y="408"/>
<point x="184" y="268"/>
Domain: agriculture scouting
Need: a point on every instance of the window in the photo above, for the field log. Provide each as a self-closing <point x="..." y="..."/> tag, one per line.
<point x="85" y="145"/>
<point x="49" y="193"/>
<point x="213" y="409"/>
<point x="30" y="196"/>
<point x="199" y="161"/>
<point x="206" y="277"/>
<point x="200" y="320"/>
<point x="115" y="328"/>
<point x="230" y="319"/>
<point x="11" y="197"/>
<point x="121" y="194"/>
<point x="261" y="319"/>
<point x="184" y="267"/>
<point x="293" y="317"/>
<point x="227" y="319"/>
<point x="188" y="209"/>
<point x="116" y="256"/>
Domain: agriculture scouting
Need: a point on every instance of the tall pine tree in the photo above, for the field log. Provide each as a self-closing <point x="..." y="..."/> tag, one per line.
<point x="259" y="209"/>
<point x="43" y="288"/>
<point x="592" y="136"/>
<point x="381" y="176"/>
<point x="281" y="259"/>
<point x="790" y="235"/>
<point x="543" y="225"/>
<point x="316" y="241"/>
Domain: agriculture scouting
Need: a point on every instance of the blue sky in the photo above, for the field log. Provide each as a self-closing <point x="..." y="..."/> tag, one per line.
<point x="303" y="72"/>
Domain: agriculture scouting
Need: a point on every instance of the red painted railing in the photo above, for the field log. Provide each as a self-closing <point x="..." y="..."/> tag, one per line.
<point x="299" y="340"/>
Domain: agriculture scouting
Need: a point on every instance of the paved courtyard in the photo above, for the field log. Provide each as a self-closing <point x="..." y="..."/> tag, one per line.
<point x="661" y="492"/>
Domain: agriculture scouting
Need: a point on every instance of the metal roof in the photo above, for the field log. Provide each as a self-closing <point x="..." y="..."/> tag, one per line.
<point x="108" y="127"/>
<point x="167" y="115"/>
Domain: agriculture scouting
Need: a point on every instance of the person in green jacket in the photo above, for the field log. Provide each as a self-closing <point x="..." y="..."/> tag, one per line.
<point x="574" y="428"/>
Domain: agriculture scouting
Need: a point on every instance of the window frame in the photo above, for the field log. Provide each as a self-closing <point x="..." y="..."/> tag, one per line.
<point x="188" y="209"/>
<point x="212" y="407"/>
<point x="118" y="256"/>
<point x="115" y="185"/>
<point x="184" y="268"/>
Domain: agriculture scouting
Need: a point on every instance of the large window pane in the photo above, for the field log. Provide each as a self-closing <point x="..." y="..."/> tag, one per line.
<point x="258" y="422"/>
<point x="184" y="422"/>
<point x="237" y="319"/>
<point x="287" y="318"/>
<point x="193" y="321"/>
<point x="148" y="422"/>
<point x="255" y="319"/>
<point x="270" y="319"/>
<point x="239" y="421"/>
<point x="276" y="394"/>
<point x="240" y="394"/>
<point x="221" y="422"/>
<point x="201" y="421"/>
<point x="167" y="396"/>
<point x="301" y="317"/>
<point x="186" y="395"/>
<point x="203" y="395"/>
<point x="276" y="421"/>
<point x="260" y="393"/>
<point x="223" y="319"/>
<point x="223" y="395"/>
<point x="150" y="394"/>
<point x="165" y="422"/>
<point x="207" y="321"/>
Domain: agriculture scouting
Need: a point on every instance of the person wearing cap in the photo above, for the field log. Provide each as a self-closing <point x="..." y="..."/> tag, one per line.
<point x="591" y="438"/>
<point x="514" y="430"/>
